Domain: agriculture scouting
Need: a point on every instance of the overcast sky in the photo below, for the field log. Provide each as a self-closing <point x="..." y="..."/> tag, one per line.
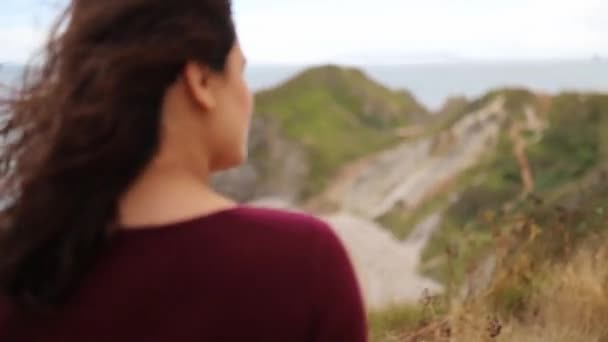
<point x="376" y="31"/>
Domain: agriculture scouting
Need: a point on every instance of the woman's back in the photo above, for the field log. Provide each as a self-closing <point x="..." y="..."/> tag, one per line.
<point x="133" y="108"/>
<point x="241" y="274"/>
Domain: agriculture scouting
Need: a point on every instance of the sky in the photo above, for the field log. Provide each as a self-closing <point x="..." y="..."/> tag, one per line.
<point x="375" y="31"/>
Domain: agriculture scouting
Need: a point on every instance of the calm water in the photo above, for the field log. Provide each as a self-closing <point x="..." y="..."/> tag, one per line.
<point x="432" y="84"/>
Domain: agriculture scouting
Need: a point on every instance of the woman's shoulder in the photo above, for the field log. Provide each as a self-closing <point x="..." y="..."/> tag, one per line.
<point x="278" y="217"/>
<point x="302" y="231"/>
<point x="281" y="222"/>
<point x="243" y="223"/>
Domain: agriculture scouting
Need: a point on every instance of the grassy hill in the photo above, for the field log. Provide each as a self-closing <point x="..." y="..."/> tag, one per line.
<point x="336" y="115"/>
<point x="569" y="156"/>
<point x="572" y="145"/>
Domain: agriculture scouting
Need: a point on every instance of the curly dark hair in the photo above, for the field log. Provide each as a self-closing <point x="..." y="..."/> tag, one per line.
<point x="80" y="127"/>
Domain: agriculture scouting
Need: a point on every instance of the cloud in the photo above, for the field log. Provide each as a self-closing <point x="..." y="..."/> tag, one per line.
<point x="17" y="44"/>
<point x="23" y="27"/>
<point x="314" y="31"/>
<point x="507" y="29"/>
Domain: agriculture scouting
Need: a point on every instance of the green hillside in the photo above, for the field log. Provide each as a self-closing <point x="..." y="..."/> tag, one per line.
<point x="566" y="160"/>
<point x="547" y="246"/>
<point x="336" y="115"/>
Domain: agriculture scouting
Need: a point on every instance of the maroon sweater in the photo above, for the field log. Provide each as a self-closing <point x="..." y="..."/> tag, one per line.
<point x="242" y="274"/>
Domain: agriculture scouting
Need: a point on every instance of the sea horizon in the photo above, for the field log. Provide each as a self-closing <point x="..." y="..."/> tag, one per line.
<point x="434" y="83"/>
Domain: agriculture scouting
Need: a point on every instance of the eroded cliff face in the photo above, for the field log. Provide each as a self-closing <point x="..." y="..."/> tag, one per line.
<point x="410" y="173"/>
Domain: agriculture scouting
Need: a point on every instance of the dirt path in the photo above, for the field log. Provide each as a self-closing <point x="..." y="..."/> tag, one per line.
<point x="387" y="268"/>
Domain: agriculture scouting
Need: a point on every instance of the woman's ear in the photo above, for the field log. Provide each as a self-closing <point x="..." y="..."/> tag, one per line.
<point x="197" y="78"/>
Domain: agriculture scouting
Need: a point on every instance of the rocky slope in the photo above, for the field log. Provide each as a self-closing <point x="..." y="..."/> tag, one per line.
<point x="410" y="173"/>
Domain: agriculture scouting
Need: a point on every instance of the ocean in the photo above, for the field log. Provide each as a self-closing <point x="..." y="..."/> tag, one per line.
<point x="432" y="84"/>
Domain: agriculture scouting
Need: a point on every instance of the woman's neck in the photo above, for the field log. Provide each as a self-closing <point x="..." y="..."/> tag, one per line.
<point x="165" y="193"/>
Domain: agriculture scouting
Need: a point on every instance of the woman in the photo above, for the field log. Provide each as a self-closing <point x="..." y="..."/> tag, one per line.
<point x="112" y="232"/>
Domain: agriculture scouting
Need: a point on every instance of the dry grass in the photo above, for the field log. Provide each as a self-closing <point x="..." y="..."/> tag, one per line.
<point x="547" y="286"/>
<point x="571" y="305"/>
